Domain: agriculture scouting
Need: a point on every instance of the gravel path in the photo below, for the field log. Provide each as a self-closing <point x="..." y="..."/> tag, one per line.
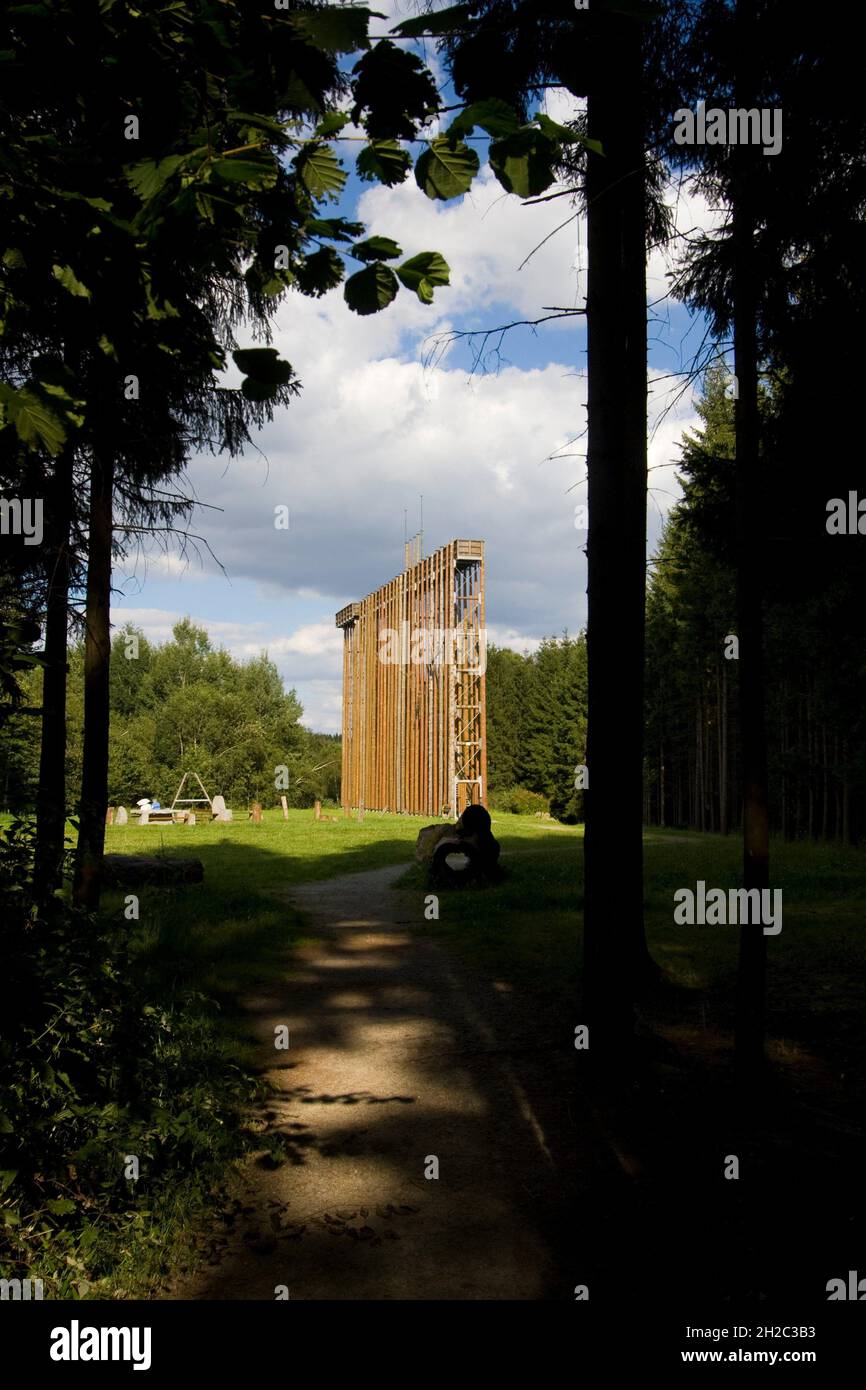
<point x="392" y="1067"/>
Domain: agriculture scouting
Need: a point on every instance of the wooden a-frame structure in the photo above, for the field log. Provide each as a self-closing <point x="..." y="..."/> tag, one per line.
<point x="191" y="800"/>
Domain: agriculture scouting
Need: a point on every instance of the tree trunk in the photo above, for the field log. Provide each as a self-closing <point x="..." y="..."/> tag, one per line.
<point x="615" y="951"/>
<point x="783" y="746"/>
<point x="97" y="657"/>
<point x="723" y="746"/>
<point x="751" y="531"/>
<point x="51" y="793"/>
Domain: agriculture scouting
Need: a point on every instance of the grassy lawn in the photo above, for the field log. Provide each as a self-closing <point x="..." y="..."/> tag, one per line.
<point x="236" y="931"/>
<point x="527" y="930"/>
<point x="522" y="942"/>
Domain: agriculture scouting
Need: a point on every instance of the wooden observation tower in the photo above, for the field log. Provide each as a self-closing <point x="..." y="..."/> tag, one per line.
<point x="414" y="687"/>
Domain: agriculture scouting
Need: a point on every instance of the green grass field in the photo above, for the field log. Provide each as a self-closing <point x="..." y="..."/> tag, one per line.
<point x="200" y="945"/>
<point x="527" y="930"/>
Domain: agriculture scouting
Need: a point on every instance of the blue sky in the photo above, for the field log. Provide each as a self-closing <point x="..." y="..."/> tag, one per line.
<point x="384" y="418"/>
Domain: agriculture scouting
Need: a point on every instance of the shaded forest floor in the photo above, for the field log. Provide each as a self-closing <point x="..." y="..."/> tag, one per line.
<point x="642" y="1207"/>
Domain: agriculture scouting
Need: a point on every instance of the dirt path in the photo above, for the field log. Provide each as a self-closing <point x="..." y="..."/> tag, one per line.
<point x="392" y="1063"/>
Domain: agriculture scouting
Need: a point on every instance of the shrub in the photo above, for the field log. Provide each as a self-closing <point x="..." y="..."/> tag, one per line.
<point x="99" y="1059"/>
<point x="518" y="801"/>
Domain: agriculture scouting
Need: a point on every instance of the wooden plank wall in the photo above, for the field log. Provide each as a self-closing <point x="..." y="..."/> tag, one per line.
<point x="414" y="735"/>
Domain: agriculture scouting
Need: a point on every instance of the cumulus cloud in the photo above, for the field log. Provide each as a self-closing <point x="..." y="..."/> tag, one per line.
<point x="380" y="423"/>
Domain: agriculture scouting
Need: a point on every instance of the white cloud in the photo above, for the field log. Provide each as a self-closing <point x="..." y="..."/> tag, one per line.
<point x="374" y="429"/>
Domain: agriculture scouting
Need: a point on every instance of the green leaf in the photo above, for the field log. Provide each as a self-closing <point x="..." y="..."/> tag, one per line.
<point x="442" y="22"/>
<point x="563" y="135"/>
<point x="376" y="248"/>
<point x="69" y="280"/>
<point x="320" y="171"/>
<point x="332" y="124"/>
<point x="258" y="390"/>
<point x="13" y="258"/>
<point x="335" y="228"/>
<point x="333" y="28"/>
<point x="523" y="162"/>
<point x="148" y="177"/>
<point x="60" y="1206"/>
<point x="296" y="96"/>
<point x="555" y="131"/>
<point x="35" y="423"/>
<point x="256" y="122"/>
<point x="7" y="1177"/>
<point x="385" y="161"/>
<point x="277" y="283"/>
<point x="396" y="91"/>
<point x="258" y="171"/>
<point x="263" y="364"/>
<point x="320" y="272"/>
<point x="372" y="289"/>
<point x="99" y="203"/>
<point x="422" y="272"/>
<point x="255" y="173"/>
<point x="494" y="116"/>
<point x="446" y="170"/>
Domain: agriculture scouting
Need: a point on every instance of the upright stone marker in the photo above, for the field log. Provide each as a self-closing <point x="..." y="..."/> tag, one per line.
<point x="123" y="815"/>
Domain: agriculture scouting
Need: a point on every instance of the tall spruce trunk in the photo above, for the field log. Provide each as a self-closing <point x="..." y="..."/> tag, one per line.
<point x="97" y="658"/>
<point x="615" y="951"/>
<point x="51" y="792"/>
<point x="751" y="532"/>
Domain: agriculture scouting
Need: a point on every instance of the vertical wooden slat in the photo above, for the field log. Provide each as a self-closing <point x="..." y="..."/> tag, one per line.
<point x="410" y="729"/>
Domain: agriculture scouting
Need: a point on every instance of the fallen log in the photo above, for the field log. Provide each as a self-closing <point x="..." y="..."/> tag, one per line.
<point x="465" y="852"/>
<point x="464" y="859"/>
<point x="428" y="839"/>
<point x="139" y="870"/>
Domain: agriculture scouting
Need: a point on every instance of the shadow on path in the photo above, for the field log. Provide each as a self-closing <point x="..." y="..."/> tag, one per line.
<point x="392" y="1065"/>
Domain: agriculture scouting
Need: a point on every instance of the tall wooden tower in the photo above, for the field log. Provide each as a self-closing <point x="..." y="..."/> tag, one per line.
<point x="414" y="687"/>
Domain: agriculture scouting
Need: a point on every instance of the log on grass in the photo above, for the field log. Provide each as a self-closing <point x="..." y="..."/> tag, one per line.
<point x="463" y="859"/>
<point x="428" y="839"/>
